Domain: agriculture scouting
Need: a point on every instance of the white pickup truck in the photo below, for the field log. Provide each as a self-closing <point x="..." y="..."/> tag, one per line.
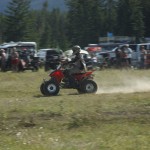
<point x="136" y="54"/>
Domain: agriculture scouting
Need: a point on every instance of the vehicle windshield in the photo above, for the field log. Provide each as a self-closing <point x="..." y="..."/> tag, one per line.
<point x="133" y="47"/>
<point x="52" y="52"/>
<point x="108" y="47"/>
<point x="26" y="48"/>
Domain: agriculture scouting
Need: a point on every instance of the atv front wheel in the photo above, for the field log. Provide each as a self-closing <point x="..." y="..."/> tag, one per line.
<point x="51" y="88"/>
<point x="89" y="86"/>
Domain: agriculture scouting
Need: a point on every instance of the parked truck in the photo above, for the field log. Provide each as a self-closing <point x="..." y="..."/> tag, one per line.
<point x="136" y="54"/>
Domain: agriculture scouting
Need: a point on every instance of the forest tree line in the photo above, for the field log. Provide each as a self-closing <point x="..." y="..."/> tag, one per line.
<point x="83" y="22"/>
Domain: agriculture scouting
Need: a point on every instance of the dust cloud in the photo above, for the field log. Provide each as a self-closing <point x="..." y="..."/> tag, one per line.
<point x="127" y="85"/>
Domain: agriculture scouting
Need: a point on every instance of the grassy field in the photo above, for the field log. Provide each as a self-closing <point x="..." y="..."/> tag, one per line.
<point x="117" y="117"/>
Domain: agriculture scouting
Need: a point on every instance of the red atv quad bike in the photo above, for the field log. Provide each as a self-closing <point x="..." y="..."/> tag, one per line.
<point x="83" y="82"/>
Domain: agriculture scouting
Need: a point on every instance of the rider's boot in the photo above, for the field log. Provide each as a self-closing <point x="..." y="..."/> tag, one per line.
<point x="72" y="81"/>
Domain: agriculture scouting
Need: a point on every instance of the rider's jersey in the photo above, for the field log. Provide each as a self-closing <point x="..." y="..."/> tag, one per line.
<point x="79" y="62"/>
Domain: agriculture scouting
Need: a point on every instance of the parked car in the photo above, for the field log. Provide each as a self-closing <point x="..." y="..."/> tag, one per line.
<point x="105" y="60"/>
<point x="41" y="54"/>
<point x="52" y="58"/>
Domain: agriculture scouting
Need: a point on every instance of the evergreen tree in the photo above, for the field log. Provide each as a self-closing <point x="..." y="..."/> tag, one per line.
<point x="17" y="20"/>
<point x="64" y="42"/>
<point x="51" y="27"/>
<point x="84" y="21"/>
<point x="58" y="29"/>
<point x="146" y="13"/>
<point x="33" y="35"/>
<point x="44" y="28"/>
<point x="109" y="15"/>
<point x="137" y="19"/>
<point x="130" y="18"/>
<point x="2" y="28"/>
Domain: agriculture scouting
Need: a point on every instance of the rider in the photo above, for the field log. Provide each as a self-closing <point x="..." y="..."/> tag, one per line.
<point x="77" y="61"/>
<point x="77" y="64"/>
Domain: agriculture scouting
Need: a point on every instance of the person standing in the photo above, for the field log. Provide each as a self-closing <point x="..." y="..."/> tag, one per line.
<point x="143" y="56"/>
<point x="123" y="56"/>
<point x="94" y="60"/>
<point x="118" y="57"/>
<point x="128" y="52"/>
<point x="14" y="59"/>
<point x="3" y="60"/>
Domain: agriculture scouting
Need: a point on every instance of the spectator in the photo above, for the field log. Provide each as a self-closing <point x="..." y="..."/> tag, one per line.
<point x="123" y="56"/>
<point x="118" y="57"/>
<point x="128" y="52"/>
<point x="94" y="60"/>
<point x="3" y="60"/>
<point x="14" y="59"/>
<point x="143" y="56"/>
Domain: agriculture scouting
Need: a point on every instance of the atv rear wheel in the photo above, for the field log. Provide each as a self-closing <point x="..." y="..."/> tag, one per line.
<point x="88" y="86"/>
<point x="51" y="88"/>
<point x="80" y="90"/>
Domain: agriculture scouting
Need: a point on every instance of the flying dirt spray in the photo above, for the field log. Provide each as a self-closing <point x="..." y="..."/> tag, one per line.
<point x="127" y="85"/>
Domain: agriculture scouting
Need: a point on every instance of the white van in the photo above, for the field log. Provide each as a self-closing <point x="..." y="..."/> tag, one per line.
<point x="29" y="47"/>
<point x="25" y="50"/>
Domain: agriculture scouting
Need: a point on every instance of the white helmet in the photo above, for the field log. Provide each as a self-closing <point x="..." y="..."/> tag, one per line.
<point x="76" y="49"/>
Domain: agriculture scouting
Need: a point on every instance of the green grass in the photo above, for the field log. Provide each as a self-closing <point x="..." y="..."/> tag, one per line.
<point x="116" y="118"/>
